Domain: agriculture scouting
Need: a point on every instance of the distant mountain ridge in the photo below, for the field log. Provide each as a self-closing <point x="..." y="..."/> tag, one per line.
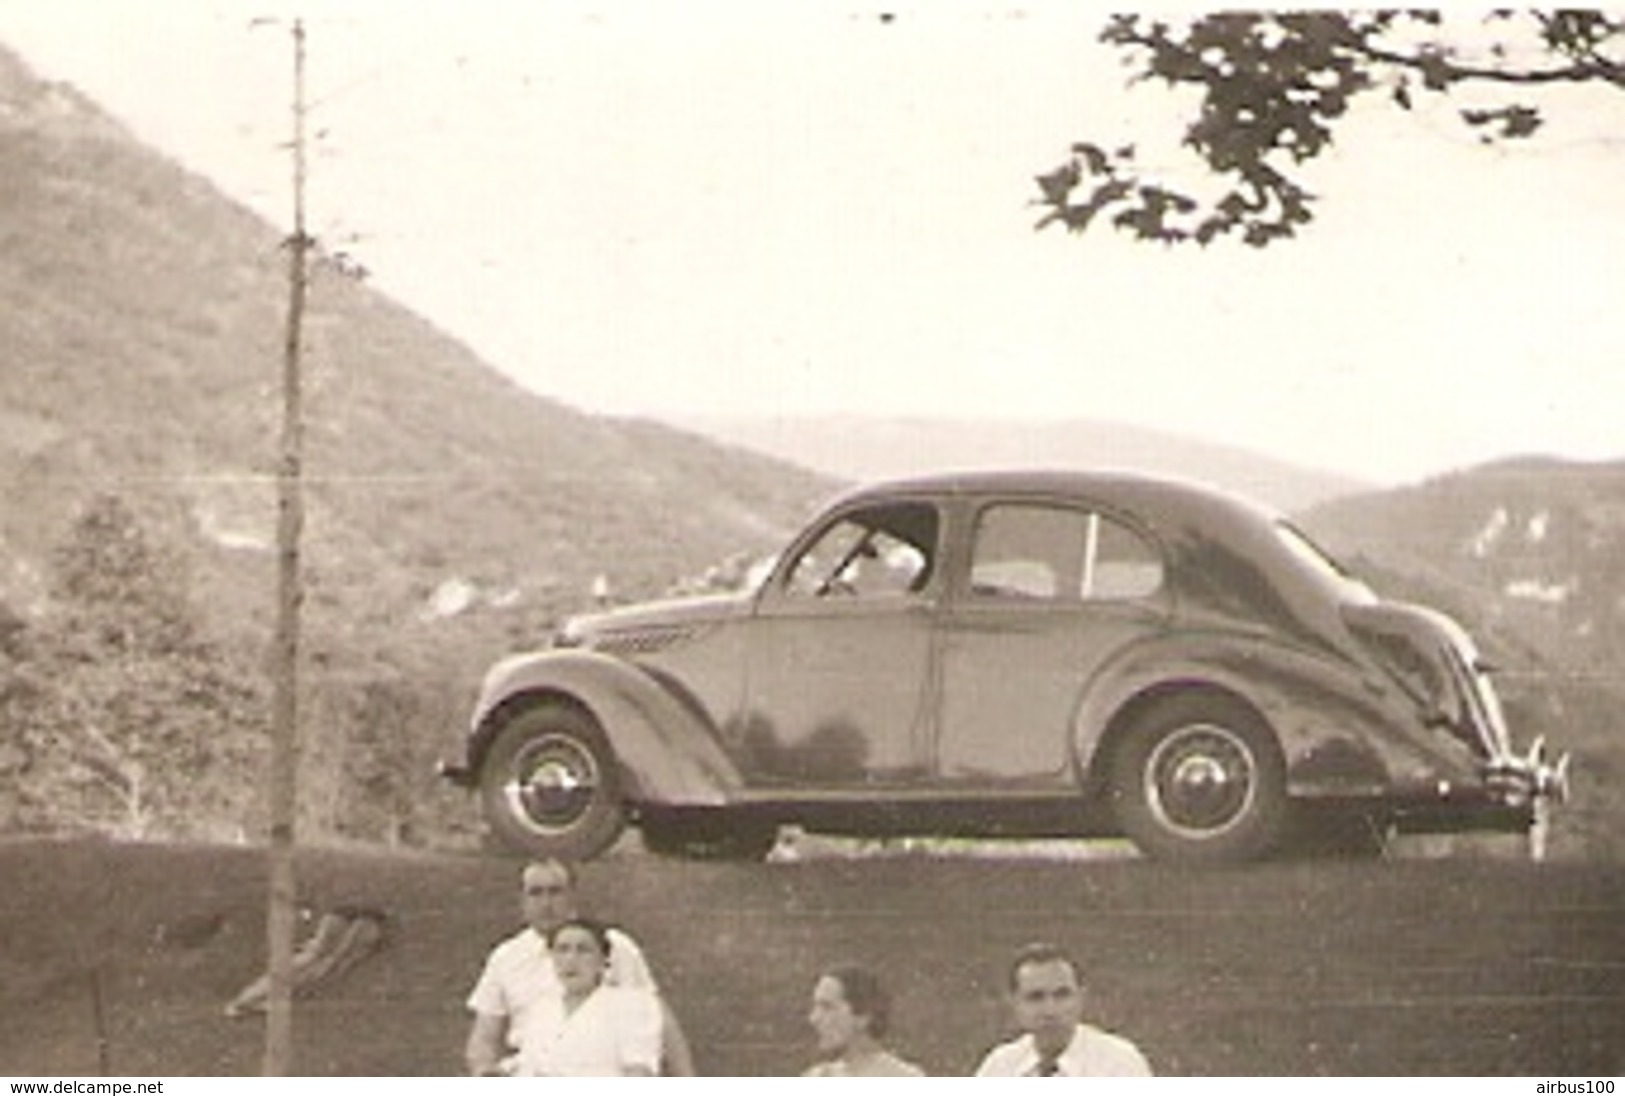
<point x="856" y="447"/>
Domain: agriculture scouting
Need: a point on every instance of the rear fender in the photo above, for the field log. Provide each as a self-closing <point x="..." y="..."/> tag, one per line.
<point x="667" y="749"/>
<point x="1343" y="731"/>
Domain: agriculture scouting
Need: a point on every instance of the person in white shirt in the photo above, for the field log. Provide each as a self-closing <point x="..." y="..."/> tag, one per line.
<point x="520" y="976"/>
<point x="590" y="1029"/>
<point x="1046" y="997"/>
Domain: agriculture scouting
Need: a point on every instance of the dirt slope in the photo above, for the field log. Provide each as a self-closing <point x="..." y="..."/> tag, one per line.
<point x="1388" y="968"/>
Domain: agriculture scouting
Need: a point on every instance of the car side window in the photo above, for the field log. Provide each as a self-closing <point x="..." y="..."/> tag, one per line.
<point x="1051" y="553"/>
<point x="1027" y="552"/>
<point x="883" y="551"/>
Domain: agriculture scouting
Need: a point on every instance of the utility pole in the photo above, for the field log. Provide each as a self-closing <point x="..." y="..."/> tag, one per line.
<point x="283" y="793"/>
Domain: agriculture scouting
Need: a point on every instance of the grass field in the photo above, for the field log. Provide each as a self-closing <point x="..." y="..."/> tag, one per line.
<point x="120" y="958"/>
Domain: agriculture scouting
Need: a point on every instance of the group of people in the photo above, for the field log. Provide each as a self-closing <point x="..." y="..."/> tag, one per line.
<point x="569" y="996"/>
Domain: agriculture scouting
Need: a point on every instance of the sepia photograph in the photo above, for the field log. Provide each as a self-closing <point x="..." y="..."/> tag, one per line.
<point x="961" y="538"/>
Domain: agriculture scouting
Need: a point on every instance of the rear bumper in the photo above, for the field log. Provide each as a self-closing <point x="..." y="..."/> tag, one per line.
<point x="1486" y="817"/>
<point x="1475" y="814"/>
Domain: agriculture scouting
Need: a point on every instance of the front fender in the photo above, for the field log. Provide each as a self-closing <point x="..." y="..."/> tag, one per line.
<point x="667" y="749"/>
<point x="1343" y="728"/>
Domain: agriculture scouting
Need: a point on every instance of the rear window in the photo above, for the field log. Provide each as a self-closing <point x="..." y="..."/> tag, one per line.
<point x="1331" y="575"/>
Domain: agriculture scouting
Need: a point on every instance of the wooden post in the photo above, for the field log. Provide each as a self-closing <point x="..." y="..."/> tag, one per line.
<point x="283" y="794"/>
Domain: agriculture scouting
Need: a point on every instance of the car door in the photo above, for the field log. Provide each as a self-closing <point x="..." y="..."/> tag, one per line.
<point x="1048" y="592"/>
<point x="838" y="654"/>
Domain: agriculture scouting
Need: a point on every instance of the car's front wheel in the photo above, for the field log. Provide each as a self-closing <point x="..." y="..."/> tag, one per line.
<point x="550" y="786"/>
<point x="1200" y="779"/>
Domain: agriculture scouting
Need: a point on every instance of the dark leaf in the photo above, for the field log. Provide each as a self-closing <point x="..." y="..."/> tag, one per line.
<point x="1511" y="122"/>
<point x="1059" y="184"/>
<point x="1437" y="73"/>
<point x="1093" y="158"/>
<point x="1521" y="122"/>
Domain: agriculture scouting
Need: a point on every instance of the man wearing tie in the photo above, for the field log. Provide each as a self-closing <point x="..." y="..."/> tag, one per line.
<point x="1046" y="996"/>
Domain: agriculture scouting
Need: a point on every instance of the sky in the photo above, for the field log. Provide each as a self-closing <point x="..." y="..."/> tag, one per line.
<point x="718" y="208"/>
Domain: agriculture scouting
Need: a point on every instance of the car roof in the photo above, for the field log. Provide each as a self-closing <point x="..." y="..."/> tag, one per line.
<point x="1154" y="496"/>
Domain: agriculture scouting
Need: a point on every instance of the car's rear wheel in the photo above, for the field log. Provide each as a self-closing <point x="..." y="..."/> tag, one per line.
<point x="1199" y="778"/>
<point x="550" y="785"/>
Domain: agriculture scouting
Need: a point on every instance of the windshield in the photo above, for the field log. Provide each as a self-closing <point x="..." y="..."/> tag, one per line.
<point x="1330" y="574"/>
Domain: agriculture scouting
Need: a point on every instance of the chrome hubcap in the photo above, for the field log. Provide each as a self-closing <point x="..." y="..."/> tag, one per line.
<point x="1201" y="780"/>
<point x="552" y="784"/>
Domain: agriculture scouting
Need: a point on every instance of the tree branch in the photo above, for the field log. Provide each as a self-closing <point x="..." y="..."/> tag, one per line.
<point x="1274" y="89"/>
<point x="1435" y="66"/>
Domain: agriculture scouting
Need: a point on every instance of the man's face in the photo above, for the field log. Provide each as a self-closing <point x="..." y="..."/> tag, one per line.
<point x="832" y="1019"/>
<point x="1048" y="1003"/>
<point x="547" y="898"/>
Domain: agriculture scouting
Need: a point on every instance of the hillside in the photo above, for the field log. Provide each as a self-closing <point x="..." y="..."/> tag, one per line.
<point x="1536" y="546"/>
<point x="862" y="448"/>
<point x="144" y="347"/>
<point x="451" y="514"/>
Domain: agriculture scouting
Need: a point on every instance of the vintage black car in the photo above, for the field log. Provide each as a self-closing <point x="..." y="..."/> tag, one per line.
<point x="1027" y="653"/>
